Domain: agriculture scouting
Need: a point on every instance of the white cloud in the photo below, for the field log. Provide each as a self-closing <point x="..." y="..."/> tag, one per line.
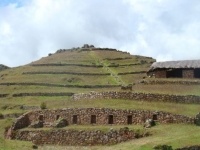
<point x="163" y="29"/>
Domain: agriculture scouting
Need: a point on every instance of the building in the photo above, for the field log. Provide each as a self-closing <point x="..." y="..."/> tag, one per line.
<point x="175" y="69"/>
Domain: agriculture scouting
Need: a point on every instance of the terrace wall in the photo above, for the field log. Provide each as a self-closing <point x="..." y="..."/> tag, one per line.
<point x="75" y="137"/>
<point x="152" y="82"/>
<point x="139" y="96"/>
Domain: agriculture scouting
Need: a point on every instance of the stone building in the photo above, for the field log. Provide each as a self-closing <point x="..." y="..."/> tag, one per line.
<point x="175" y="69"/>
<point x="99" y="116"/>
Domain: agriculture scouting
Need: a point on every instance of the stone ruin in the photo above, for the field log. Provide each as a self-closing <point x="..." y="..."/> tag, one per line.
<point x="87" y="46"/>
<point x="86" y="116"/>
<point x="99" y="116"/>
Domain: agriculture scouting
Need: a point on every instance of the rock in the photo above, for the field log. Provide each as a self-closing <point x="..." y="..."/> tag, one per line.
<point x="197" y="119"/>
<point x="149" y="123"/>
<point x="195" y="147"/>
<point x="38" y="124"/>
<point x="60" y="123"/>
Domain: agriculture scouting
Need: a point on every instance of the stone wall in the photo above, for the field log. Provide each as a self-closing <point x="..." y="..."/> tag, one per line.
<point x="77" y="137"/>
<point x="188" y="73"/>
<point x="196" y="82"/>
<point x="21" y="122"/>
<point x="160" y="73"/>
<point x="55" y="85"/>
<point x="71" y="73"/>
<point x="42" y="94"/>
<point x="195" y="147"/>
<point x="99" y="116"/>
<point x="139" y="96"/>
<point x="179" y="73"/>
<point x="59" y="64"/>
<point x="3" y="95"/>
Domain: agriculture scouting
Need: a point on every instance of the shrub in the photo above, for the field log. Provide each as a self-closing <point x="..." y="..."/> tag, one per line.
<point x="34" y="146"/>
<point x="163" y="147"/>
<point x="43" y="105"/>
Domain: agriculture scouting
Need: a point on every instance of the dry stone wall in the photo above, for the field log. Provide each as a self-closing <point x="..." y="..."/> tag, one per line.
<point x="195" y="147"/>
<point x="188" y="73"/>
<point x="71" y="73"/>
<point x="152" y="82"/>
<point x="99" y="116"/>
<point x="57" y="85"/>
<point x="160" y="73"/>
<point x="42" y="94"/>
<point x="85" y="116"/>
<point x="125" y="73"/>
<point x="59" y="64"/>
<point x="77" y="137"/>
<point x="139" y="96"/>
<point x="3" y="95"/>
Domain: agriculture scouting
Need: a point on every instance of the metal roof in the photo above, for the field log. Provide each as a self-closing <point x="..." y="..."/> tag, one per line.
<point x="176" y="64"/>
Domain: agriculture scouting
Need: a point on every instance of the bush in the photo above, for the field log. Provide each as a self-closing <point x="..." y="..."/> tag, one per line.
<point x="163" y="147"/>
<point x="34" y="146"/>
<point x="43" y="105"/>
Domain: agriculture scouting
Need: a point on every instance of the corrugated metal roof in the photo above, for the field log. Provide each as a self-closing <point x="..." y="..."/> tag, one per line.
<point x="176" y="64"/>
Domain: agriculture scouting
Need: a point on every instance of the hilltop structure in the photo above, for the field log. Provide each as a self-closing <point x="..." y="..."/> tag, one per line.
<point x="175" y="69"/>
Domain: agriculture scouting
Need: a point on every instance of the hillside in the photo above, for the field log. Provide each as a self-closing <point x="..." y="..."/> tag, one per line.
<point x="54" y="79"/>
<point x="3" y="67"/>
<point x="78" y="69"/>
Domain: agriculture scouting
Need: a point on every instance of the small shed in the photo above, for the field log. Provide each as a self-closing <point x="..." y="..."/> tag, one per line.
<point x="175" y="69"/>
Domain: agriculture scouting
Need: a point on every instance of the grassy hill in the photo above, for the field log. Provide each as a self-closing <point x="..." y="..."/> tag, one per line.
<point x="81" y="70"/>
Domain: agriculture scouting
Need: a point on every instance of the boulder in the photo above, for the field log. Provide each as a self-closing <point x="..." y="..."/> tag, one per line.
<point x="149" y="123"/>
<point x="38" y="124"/>
<point x="197" y="119"/>
<point x="60" y="123"/>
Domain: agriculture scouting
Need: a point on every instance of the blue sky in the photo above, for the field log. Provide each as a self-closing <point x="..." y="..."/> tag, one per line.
<point x="162" y="29"/>
<point x="4" y="3"/>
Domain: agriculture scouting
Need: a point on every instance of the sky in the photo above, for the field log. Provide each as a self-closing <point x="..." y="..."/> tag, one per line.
<point x="163" y="29"/>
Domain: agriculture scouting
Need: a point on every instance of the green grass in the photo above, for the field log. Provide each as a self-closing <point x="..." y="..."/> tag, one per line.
<point x="176" y="89"/>
<point x="132" y="78"/>
<point x="135" y="68"/>
<point x="6" y="144"/>
<point x="60" y="79"/>
<point x="65" y="102"/>
<point x="75" y="69"/>
<point x="177" y="135"/>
